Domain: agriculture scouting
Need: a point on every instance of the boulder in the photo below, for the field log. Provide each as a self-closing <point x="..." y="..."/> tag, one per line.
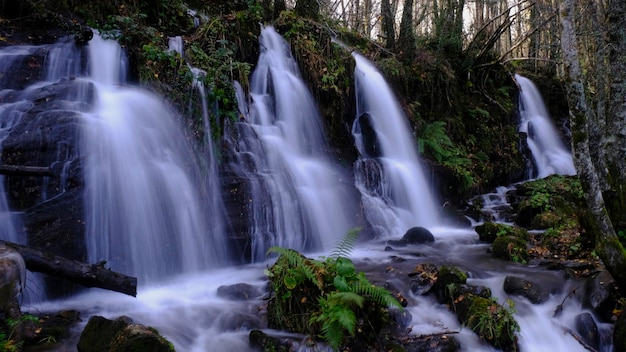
<point x="532" y="291"/>
<point x="12" y="275"/>
<point x="511" y="248"/>
<point x="120" y="335"/>
<point x="587" y="329"/>
<point x="489" y="231"/>
<point x="447" y="276"/>
<point x="414" y="235"/>
<point x="492" y="322"/>
<point x="601" y="296"/>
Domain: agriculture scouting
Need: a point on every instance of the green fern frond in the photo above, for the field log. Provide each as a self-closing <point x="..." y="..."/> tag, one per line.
<point x="347" y="243"/>
<point x="349" y="298"/>
<point x="299" y="262"/>
<point x="377" y="294"/>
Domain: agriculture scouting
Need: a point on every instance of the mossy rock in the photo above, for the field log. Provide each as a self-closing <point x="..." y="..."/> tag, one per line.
<point x="139" y="338"/>
<point x="511" y="248"/>
<point x="294" y="298"/>
<point x="489" y="231"/>
<point x="447" y="278"/>
<point x="492" y="322"/>
<point x="121" y="335"/>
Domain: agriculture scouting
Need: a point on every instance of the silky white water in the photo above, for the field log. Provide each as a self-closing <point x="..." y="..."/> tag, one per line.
<point x="143" y="190"/>
<point x="139" y="169"/>
<point x="298" y="197"/>
<point x="394" y="190"/>
<point x="549" y="153"/>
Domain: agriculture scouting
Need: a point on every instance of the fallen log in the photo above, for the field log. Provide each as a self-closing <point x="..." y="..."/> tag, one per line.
<point x="15" y="170"/>
<point x="88" y="275"/>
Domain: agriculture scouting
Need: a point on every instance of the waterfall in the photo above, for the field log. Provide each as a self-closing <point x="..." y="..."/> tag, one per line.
<point x="144" y="192"/>
<point x="395" y="193"/>
<point x="297" y="199"/>
<point x="549" y="153"/>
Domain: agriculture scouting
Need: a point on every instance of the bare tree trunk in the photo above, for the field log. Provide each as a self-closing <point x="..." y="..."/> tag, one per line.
<point x="608" y="247"/>
<point x="407" y="38"/>
<point x="388" y="30"/>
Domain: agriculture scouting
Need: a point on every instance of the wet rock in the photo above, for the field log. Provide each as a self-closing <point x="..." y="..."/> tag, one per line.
<point x="414" y="235"/>
<point x="619" y="334"/>
<point x="233" y="321"/>
<point x="428" y="343"/>
<point x="140" y="338"/>
<point x="588" y="330"/>
<point x="601" y="296"/>
<point x="54" y="329"/>
<point x="447" y="276"/>
<point x="511" y="248"/>
<point x="265" y="342"/>
<point x="489" y="231"/>
<point x="12" y="275"/>
<point x="120" y="335"/>
<point x="514" y="285"/>
<point x="492" y="322"/>
<point x="480" y="291"/>
<point x="238" y="292"/>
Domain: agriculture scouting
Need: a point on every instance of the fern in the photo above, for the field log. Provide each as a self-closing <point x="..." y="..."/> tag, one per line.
<point x="377" y="294"/>
<point x="347" y="243"/>
<point x="300" y="264"/>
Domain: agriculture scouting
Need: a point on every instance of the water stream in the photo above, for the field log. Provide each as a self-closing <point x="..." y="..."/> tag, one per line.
<point x="298" y="196"/>
<point x="147" y="212"/>
<point x="550" y="155"/>
<point x="394" y="190"/>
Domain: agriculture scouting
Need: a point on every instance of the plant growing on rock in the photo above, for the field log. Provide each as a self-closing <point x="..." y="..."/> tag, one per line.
<point x="326" y="297"/>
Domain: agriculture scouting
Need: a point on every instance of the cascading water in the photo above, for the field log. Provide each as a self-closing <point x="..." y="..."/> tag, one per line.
<point x="549" y="153"/>
<point x="297" y="197"/>
<point x="143" y="210"/>
<point x="395" y="193"/>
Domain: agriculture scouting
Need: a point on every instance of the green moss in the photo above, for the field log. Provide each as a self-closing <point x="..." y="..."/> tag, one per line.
<point x="511" y="248"/>
<point x="489" y="231"/>
<point x="492" y="322"/>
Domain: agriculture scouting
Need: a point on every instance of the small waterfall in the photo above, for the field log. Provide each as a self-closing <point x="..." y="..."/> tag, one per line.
<point x="143" y="190"/>
<point x="395" y="193"/>
<point x="549" y="153"/>
<point x="297" y="198"/>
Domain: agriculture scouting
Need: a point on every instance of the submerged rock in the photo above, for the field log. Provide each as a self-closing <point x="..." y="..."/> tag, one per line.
<point x="238" y="292"/>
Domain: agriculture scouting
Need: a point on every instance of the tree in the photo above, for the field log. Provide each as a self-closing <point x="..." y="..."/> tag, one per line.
<point x="308" y="8"/>
<point x="604" y="118"/>
<point x="407" y="37"/>
<point x="388" y="24"/>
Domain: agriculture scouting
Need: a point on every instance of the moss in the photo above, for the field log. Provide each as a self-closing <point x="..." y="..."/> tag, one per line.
<point x="511" y="248"/>
<point x="492" y="322"/>
<point x="448" y="277"/>
<point x="489" y="231"/>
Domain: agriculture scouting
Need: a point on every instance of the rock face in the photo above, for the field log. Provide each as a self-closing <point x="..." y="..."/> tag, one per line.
<point x="120" y="335"/>
<point x="12" y="275"/>
<point x="46" y="135"/>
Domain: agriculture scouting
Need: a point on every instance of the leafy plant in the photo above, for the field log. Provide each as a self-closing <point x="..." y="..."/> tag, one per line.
<point x="435" y="142"/>
<point x="494" y="322"/>
<point x="325" y="297"/>
<point x="8" y="340"/>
